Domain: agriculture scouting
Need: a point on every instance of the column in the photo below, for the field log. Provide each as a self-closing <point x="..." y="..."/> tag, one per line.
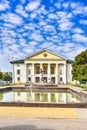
<point x="26" y="73"/>
<point x="56" y="73"/>
<point x="64" y="77"/>
<point x="32" y="73"/>
<point x="40" y="72"/>
<point x="48" y="77"/>
<point x="49" y="97"/>
<point x="13" y="74"/>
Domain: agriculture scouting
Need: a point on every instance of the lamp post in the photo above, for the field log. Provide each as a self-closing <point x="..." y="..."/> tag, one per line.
<point x="42" y="72"/>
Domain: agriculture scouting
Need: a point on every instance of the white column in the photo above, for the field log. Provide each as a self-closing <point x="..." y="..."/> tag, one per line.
<point x="32" y="73"/>
<point x="64" y="77"/>
<point x="40" y="72"/>
<point x="13" y="74"/>
<point x="56" y="95"/>
<point x="48" y="77"/>
<point x="49" y="97"/>
<point x="56" y="73"/>
<point x="26" y="72"/>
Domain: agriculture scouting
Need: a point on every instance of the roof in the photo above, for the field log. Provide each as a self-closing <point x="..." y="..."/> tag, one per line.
<point x="17" y="61"/>
<point x="43" y="51"/>
<point x="22" y="60"/>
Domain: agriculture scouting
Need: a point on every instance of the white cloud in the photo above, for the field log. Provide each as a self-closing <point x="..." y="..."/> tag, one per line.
<point x="33" y="43"/>
<point x="42" y="23"/>
<point x="23" y="1"/>
<point x="20" y="10"/>
<point x="66" y="5"/>
<point x="52" y="16"/>
<point x="32" y="5"/>
<point x="12" y="18"/>
<point x="83" y="22"/>
<point x="65" y="25"/>
<point x="75" y="5"/>
<point x="77" y="30"/>
<point x="36" y="36"/>
<point x="79" y="38"/>
<point x="33" y="15"/>
<point x="46" y="45"/>
<point x="4" y="5"/>
<point x="58" y="5"/>
<point x="50" y="29"/>
<point x="9" y="25"/>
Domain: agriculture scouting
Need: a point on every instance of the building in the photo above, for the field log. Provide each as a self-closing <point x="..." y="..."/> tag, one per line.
<point x="43" y="66"/>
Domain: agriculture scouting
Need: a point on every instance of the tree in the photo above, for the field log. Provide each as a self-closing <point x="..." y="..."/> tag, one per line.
<point x="6" y="77"/>
<point x="1" y="75"/>
<point x="79" y="67"/>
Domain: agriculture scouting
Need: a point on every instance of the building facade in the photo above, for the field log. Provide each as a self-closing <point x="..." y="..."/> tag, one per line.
<point x="43" y="67"/>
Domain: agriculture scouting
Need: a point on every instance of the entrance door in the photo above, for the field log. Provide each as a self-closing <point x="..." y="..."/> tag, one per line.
<point x="37" y="79"/>
<point x="45" y="79"/>
<point x="53" y="79"/>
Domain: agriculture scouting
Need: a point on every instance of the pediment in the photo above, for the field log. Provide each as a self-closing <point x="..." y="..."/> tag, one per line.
<point x="45" y="55"/>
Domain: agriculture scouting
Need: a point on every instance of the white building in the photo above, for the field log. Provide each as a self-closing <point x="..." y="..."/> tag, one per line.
<point x="43" y="66"/>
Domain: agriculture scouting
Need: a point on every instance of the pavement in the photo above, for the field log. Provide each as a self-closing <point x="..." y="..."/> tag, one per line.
<point x="27" y="119"/>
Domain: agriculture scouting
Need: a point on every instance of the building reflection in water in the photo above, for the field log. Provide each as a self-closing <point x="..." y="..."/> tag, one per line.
<point x="48" y="97"/>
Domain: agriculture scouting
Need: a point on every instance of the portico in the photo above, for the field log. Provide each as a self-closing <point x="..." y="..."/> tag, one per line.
<point x="46" y="72"/>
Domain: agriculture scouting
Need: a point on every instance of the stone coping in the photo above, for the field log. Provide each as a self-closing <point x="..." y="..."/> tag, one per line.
<point x="61" y="105"/>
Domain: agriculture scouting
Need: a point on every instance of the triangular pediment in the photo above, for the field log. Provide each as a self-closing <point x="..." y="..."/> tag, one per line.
<point x="45" y="54"/>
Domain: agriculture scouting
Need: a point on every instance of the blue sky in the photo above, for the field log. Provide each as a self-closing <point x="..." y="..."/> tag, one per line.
<point x="27" y="26"/>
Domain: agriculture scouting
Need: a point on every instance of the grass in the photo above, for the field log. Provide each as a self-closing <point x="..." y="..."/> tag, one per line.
<point x="84" y="86"/>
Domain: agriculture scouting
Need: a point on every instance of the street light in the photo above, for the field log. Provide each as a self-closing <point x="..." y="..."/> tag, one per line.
<point x="42" y="72"/>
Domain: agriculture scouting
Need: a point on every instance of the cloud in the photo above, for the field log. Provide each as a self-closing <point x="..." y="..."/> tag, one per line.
<point x="8" y="25"/>
<point x="65" y="25"/>
<point x="4" y="5"/>
<point x="32" y="5"/>
<point x="52" y="16"/>
<point x="83" y="22"/>
<point x="20" y="10"/>
<point x="50" y="29"/>
<point x="36" y="36"/>
<point x="79" y="38"/>
<point x="58" y="5"/>
<point x="12" y="18"/>
<point x="66" y="5"/>
<point x="77" y="30"/>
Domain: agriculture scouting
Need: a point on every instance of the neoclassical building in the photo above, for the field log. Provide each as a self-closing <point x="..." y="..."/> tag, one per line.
<point x="42" y="67"/>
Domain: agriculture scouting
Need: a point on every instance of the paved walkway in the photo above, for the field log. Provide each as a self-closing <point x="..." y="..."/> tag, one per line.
<point x="38" y="112"/>
<point x="25" y="118"/>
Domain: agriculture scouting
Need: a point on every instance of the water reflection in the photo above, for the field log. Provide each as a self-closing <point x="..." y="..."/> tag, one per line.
<point x="48" y="97"/>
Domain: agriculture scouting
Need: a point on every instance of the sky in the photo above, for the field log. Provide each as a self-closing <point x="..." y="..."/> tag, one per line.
<point x="27" y="26"/>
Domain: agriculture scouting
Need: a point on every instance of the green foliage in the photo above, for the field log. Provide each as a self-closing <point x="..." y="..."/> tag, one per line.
<point x="84" y="86"/>
<point x="79" y="67"/>
<point x="1" y="75"/>
<point x="6" y="77"/>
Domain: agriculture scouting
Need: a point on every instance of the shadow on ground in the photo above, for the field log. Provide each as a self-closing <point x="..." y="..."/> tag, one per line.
<point x="22" y="127"/>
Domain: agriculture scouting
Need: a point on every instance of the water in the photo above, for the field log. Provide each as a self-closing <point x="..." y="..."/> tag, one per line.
<point x="40" y="96"/>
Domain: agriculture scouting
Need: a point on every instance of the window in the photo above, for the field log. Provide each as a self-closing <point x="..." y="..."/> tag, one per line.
<point x="60" y="72"/>
<point x="37" y="69"/>
<point x="45" y="69"/>
<point x="52" y="69"/>
<point x="61" y="79"/>
<point x="45" y="79"/>
<point x="18" y="78"/>
<point x="18" y="71"/>
<point x="37" y="79"/>
<point x="18" y="65"/>
<point x="29" y="71"/>
<point x="29" y="78"/>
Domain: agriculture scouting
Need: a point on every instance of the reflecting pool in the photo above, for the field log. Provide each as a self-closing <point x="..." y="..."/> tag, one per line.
<point x="40" y="97"/>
